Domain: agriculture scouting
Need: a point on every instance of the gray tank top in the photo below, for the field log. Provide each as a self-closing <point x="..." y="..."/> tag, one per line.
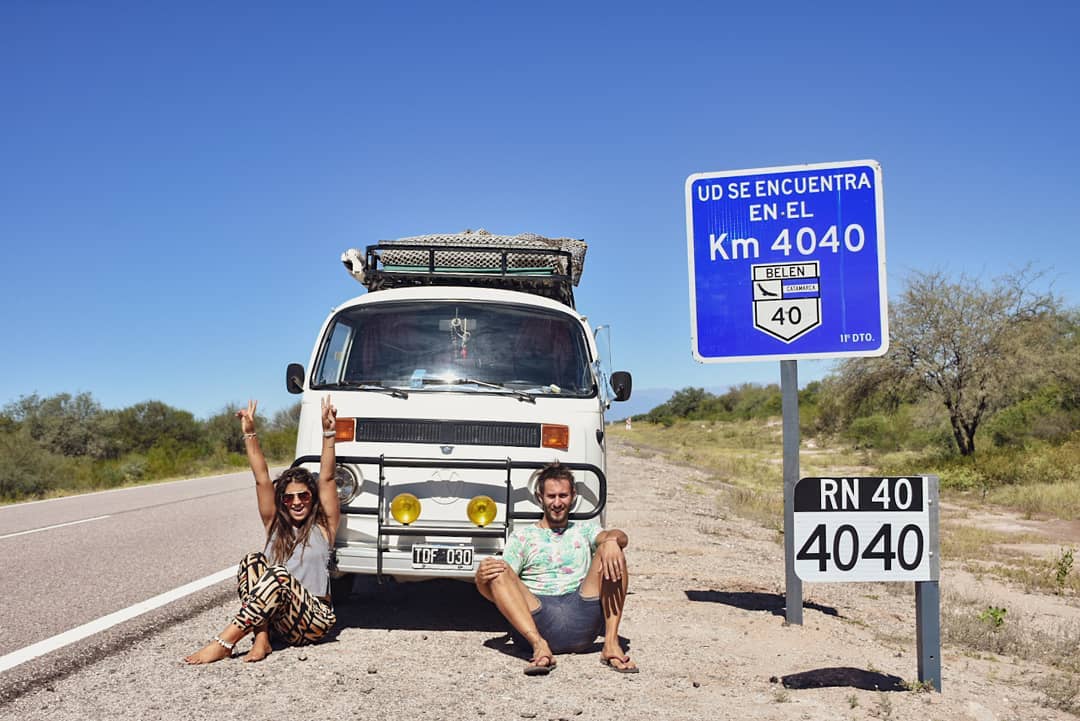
<point x="310" y="564"/>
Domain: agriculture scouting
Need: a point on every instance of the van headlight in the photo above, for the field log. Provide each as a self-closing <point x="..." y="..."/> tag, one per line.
<point x="348" y="484"/>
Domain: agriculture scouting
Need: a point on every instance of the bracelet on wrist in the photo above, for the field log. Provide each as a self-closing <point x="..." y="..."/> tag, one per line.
<point x="248" y="436"/>
<point x="329" y="434"/>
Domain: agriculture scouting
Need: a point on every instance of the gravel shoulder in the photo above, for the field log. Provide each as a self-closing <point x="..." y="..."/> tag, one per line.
<point x="704" y="621"/>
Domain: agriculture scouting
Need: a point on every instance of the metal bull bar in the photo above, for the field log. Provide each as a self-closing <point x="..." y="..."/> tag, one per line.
<point x="386" y="529"/>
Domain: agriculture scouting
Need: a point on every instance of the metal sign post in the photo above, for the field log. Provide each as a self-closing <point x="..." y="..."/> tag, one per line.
<point x="789" y="397"/>
<point x="787" y="263"/>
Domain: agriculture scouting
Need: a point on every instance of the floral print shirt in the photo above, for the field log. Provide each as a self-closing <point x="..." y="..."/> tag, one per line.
<point x="552" y="562"/>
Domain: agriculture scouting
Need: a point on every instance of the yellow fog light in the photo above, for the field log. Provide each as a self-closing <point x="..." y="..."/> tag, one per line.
<point x="481" y="510"/>
<point x="405" y="508"/>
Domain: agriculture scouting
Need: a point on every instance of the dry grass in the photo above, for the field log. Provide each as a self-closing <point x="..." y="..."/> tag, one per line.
<point x="743" y="454"/>
<point x="966" y="623"/>
<point x="1062" y="691"/>
<point x="1032" y="575"/>
<point x="1055" y="500"/>
<point x="764" y="507"/>
<point x="964" y="542"/>
<point x="745" y="461"/>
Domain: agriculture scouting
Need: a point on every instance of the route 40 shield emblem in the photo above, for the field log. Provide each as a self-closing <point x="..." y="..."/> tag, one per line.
<point x="787" y="298"/>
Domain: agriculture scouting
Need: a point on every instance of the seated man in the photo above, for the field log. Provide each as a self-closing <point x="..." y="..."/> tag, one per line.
<point x="560" y="584"/>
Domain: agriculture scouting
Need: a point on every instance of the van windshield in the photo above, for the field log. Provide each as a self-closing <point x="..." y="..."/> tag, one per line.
<point x="455" y="346"/>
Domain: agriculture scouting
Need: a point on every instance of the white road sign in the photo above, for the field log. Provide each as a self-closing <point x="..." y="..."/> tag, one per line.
<point x="866" y="529"/>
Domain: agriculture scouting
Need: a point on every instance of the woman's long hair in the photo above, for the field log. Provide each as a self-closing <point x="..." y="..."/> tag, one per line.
<point x="282" y="536"/>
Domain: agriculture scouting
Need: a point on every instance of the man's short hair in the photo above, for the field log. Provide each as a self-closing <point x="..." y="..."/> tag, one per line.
<point x="554" y="470"/>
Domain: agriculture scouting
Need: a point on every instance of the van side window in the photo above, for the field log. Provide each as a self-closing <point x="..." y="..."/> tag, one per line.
<point x="334" y="358"/>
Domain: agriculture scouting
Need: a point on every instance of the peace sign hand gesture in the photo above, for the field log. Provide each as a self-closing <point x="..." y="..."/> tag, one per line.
<point x="329" y="414"/>
<point x="247" y="417"/>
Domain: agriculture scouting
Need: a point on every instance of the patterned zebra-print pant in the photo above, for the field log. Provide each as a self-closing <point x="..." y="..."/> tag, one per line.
<point x="269" y="594"/>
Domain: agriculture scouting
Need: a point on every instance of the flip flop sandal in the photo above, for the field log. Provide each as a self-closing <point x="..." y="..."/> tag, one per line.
<point x="625" y="659"/>
<point x="535" y="669"/>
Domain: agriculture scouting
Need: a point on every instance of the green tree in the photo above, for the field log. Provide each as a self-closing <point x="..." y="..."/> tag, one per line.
<point x="287" y="419"/>
<point x="222" y="430"/>
<point x="975" y="348"/>
<point x="685" y="403"/>
<point x="62" y="423"/>
<point x="27" y="469"/>
<point x="141" y="426"/>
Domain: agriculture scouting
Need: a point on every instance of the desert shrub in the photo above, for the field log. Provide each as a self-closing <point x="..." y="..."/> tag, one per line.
<point x="27" y="470"/>
<point x="1045" y="416"/>
<point x="961" y="477"/>
<point x="168" y="458"/>
<point x="872" y="432"/>
<point x="278" y="445"/>
<point x="222" y="430"/>
<point x="107" y="474"/>
<point x="133" y="467"/>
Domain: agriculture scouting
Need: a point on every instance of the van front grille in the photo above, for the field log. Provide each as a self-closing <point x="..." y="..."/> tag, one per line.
<point x="454" y="433"/>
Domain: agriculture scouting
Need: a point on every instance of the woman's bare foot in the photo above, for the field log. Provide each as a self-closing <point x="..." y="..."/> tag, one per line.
<point x="209" y="653"/>
<point x="260" y="649"/>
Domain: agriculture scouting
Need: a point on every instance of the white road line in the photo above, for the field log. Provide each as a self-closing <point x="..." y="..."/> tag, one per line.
<point x="106" y="622"/>
<point x="125" y="489"/>
<point x="49" y="528"/>
<point x="274" y="472"/>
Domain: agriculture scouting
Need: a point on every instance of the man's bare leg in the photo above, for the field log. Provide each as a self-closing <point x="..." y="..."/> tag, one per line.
<point x="260" y="647"/>
<point x="612" y="595"/>
<point x="516" y="603"/>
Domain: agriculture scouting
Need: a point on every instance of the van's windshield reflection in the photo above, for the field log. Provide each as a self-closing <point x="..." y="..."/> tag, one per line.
<point x="456" y="346"/>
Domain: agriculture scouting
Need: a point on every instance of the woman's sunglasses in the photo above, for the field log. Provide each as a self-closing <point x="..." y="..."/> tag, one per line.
<point x="302" y="496"/>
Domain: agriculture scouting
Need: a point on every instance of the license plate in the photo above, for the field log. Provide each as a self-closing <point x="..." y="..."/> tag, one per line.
<point x="453" y="557"/>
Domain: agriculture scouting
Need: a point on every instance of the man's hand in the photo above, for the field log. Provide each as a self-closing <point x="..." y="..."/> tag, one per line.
<point x="490" y="569"/>
<point x="612" y="559"/>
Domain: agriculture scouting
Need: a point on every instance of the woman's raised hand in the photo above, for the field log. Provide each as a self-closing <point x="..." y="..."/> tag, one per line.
<point x="247" y="417"/>
<point x="329" y="414"/>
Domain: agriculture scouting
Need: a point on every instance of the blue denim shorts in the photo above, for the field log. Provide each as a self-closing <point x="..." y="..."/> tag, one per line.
<point x="569" y="623"/>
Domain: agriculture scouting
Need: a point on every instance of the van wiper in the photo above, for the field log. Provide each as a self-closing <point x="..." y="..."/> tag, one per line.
<point x="521" y="396"/>
<point x="368" y="386"/>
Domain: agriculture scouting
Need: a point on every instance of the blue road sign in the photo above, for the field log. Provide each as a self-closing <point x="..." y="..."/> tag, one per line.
<point x="787" y="262"/>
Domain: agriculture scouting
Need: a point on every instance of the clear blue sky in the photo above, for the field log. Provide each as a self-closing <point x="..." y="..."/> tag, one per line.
<point x="179" y="180"/>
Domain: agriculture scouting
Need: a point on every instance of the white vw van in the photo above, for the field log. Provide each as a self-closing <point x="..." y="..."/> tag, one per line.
<point x="462" y="370"/>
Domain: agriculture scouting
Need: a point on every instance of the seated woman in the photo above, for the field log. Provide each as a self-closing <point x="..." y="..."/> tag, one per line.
<point x="285" y="588"/>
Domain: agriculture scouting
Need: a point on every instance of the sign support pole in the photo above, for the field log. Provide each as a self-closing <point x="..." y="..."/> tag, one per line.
<point x="789" y="395"/>
<point x="928" y="599"/>
<point x="928" y="631"/>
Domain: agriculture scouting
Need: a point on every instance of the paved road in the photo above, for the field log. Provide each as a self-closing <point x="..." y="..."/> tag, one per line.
<point x="68" y="561"/>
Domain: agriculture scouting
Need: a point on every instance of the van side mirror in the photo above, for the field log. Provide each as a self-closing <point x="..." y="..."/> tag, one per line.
<point x="294" y="378"/>
<point x="621" y="383"/>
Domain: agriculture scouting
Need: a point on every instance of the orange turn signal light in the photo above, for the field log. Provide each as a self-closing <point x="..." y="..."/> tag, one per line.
<point x="555" y="436"/>
<point x="345" y="428"/>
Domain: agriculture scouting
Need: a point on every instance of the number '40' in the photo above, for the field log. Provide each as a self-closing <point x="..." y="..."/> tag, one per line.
<point x="790" y="315"/>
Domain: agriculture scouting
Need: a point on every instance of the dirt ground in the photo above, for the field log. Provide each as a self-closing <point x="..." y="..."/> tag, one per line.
<point x="704" y="621"/>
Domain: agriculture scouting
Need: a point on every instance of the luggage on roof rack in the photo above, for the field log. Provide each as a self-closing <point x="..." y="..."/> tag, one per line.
<point x="549" y="267"/>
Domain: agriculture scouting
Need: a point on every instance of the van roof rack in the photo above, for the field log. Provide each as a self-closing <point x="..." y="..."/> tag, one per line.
<point x="549" y="267"/>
